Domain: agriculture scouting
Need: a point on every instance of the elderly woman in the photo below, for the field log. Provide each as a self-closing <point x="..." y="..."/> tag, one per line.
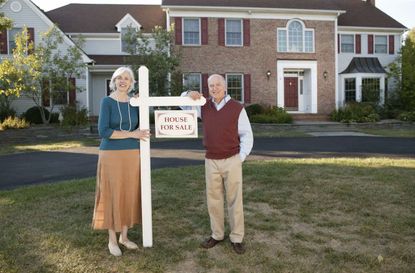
<point x="118" y="194"/>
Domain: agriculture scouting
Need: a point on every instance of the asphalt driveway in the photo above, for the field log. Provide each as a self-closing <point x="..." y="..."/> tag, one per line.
<point x="48" y="167"/>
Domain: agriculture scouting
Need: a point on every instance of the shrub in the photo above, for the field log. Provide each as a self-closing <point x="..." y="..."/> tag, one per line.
<point x="254" y="109"/>
<point x="74" y="117"/>
<point x="355" y="112"/>
<point x="6" y="112"/>
<point x="32" y="115"/>
<point x="14" y="123"/>
<point x="272" y="115"/>
<point x="407" y="116"/>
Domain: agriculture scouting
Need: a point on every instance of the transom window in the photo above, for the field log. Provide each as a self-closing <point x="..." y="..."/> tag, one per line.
<point x="191" y="81"/>
<point x="233" y="32"/>
<point x="381" y="44"/>
<point x="347" y="43"/>
<point x="191" y="31"/>
<point x="350" y="89"/>
<point x="234" y="83"/>
<point x="295" y="38"/>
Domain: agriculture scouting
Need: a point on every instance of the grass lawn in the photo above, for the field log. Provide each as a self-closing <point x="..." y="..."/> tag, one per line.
<point x="302" y="215"/>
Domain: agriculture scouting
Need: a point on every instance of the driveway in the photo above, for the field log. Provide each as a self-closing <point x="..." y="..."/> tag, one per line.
<point x="48" y="167"/>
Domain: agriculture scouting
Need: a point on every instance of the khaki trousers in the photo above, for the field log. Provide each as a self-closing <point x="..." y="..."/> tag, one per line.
<point x="224" y="178"/>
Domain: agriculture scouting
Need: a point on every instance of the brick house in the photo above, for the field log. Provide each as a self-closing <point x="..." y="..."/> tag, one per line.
<point x="308" y="56"/>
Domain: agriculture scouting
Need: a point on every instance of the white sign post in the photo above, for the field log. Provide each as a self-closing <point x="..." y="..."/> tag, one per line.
<point x="144" y="102"/>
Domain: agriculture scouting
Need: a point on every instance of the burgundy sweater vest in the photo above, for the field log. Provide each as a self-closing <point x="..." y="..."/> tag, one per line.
<point x="220" y="129"/>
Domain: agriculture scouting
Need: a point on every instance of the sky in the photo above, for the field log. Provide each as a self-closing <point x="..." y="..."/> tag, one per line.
<point x="400" y="10"/>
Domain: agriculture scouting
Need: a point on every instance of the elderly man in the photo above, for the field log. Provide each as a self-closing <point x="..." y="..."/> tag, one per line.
<point x="228" y="140"/>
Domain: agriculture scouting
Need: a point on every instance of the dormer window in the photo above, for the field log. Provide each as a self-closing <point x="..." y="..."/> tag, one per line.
<point x="124" y="26"/>
<point x="295" y="38"/>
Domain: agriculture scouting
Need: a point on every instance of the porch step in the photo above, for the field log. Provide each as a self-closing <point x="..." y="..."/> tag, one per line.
<point x="310" y="117"/>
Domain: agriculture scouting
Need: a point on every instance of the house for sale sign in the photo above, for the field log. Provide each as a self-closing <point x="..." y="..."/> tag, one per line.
<point x="175" y="124"/>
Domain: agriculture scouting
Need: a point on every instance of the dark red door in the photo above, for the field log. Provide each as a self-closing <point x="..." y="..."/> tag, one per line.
<point x="291" y="92"/>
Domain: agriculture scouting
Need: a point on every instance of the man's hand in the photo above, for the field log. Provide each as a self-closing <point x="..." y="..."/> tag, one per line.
<point x="194" y="95"/>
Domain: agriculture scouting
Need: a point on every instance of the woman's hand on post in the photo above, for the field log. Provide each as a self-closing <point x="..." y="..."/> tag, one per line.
<point x="194" y="95"/>
<point x="141" y="134"/>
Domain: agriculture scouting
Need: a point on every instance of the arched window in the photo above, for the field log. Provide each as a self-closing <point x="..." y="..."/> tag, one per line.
<point x="295" y="38"/>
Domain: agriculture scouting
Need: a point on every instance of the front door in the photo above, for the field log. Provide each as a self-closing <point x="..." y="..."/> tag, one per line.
<point x="291" y="93"/>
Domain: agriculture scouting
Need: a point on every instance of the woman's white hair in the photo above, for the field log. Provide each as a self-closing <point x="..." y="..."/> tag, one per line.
<point x="118" y="72"/>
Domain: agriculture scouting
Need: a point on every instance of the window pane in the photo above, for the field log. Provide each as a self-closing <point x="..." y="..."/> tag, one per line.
<point x="295" y="37"/>
<point x="233" y="32"/>
<point x="191" y="81"/>
<point x="309" y="41"/>
<point x="347" y="43"/>
<point x="381" y="44"/>
<point x="350" y="89"/>
<point x="234" y="83"/>
<point x="282" y="40"/>
<point x="371" y="90"/>
<point x="12" y="38"/>
<point x="191" y="31"/>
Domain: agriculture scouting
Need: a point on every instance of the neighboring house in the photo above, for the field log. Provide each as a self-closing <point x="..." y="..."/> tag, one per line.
<point x="308" y="56"/>
<point x="102" y="27"/>
<point x="25" y="13"/>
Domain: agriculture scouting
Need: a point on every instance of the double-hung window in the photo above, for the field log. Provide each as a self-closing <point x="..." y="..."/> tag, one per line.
<point x="234" y="32"/>
<point x="235" y="85"/>
<point x="192" y="81"/>
<point x="12" y="38"/>
<point x="295" y="38"/>
<point x="191" y="31"/>
<point x="381" y="44"/>
<point x="347" y="43"/>
<point x="350" y="89"/>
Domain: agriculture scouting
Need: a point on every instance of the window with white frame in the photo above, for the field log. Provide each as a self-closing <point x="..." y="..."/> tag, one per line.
<point x="12" y="38"/>
<point x="295" y="38"/>
<point x="381" y="44"/>
<point x="128" y="34"/>
<point x="370" y="89"/>
<point x="234" y="83"/>
<point x="347" y="43"/>
<point x="191" y="31"/>
<point x="192" y="81"/>
<point x="233" y="32"/>
<point x="350" y="89"/>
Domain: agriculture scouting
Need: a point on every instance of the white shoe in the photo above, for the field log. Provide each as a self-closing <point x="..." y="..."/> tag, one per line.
<point x="114" y="249"/>
<point x="128" y="244"/>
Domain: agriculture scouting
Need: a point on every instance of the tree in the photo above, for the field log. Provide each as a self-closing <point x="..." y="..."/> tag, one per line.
<point x="402" y="71"/>
<point x="41" y="72"/>
<point x="5" y="22"/>
<point x="156" y="52"/>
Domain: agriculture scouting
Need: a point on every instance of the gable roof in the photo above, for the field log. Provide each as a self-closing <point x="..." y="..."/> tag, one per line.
<point x="358" y="13"/>
<point x="102" y="18"/>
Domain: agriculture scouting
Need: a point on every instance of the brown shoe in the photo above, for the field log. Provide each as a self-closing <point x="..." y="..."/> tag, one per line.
<point x="210" y="242"/>
<point x="238" y="247"/>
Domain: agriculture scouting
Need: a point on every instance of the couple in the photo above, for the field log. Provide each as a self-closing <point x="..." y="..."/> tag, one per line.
<point x="228" y="140"/>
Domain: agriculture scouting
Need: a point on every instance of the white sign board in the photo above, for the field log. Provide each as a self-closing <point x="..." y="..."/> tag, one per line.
<point x="175" y="124"/>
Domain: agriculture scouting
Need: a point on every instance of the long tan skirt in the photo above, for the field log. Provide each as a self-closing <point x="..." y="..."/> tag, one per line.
<point x="118" y="190"/>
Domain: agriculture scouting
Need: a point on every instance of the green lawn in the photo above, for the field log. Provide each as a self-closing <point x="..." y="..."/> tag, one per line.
<point x="302" y="215"/>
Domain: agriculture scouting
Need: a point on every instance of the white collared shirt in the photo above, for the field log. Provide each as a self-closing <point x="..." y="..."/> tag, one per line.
<point x="244" y="126"/>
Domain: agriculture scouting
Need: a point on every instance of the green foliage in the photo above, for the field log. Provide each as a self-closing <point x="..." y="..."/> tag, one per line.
<point x="74" y="117"/>
<point x="407" y="116"/>
<point x="271" y="115"/>
<point x="255" y="109"/>
<point x="5" y="23"/>
<point x="370" y="95"/>
<point x="14" y="123"/>
<point x="355" y="112"/>
<point x="6" y="109"/>
<point x="33" y="115"/>
<point x="155" y="52"/>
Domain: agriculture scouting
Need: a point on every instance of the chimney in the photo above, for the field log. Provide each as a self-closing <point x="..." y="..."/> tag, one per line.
<point x="373" y="2"/>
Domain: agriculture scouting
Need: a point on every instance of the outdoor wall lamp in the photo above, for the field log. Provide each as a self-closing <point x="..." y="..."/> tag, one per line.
<point x="268" y="74"/>
<point x="325" y="74"/>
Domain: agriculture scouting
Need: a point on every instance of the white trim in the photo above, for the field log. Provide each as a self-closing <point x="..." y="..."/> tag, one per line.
<point x="120" y="25"/>
<point x="354" y="43"/>
<point x="242" y="85"/>
<point x="371" y="29"/>
<point x="358" y="77"/>
<point x="297" y="64"/>
<point x="200" y="31"/>
<point x="387" y="44"/>
<point x="242" y="32"/>
<point x="336" y="65"/>
<point x="87" y="89"/>
<point x="287" y="37"/>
